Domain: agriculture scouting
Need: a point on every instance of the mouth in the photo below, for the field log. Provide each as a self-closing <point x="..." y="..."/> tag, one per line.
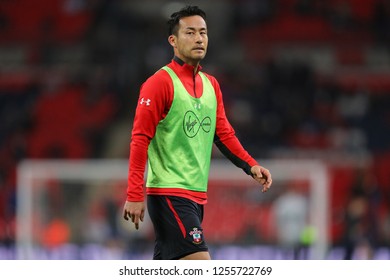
<point x="198" y="49"/>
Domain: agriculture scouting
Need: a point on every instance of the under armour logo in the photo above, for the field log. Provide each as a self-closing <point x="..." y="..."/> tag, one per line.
<point x="146" y="102"/>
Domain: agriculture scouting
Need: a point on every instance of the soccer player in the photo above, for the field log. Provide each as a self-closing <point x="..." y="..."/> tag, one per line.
<point x="180" y="114"/>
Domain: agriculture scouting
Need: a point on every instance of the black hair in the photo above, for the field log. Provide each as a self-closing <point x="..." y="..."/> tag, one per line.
<point x="173" y="22"/>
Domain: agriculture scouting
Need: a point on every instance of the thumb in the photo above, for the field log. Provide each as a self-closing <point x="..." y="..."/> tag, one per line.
<point x="257" y="173"/>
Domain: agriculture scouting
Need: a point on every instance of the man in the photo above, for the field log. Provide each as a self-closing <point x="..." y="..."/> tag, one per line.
<point x="179" y="115"/>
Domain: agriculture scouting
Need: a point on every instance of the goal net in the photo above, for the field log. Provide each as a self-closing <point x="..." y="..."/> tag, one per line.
<point x="72" y="209"/>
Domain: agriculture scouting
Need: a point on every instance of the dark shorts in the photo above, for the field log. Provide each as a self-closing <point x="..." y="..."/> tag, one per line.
<point x="177" y="225"/>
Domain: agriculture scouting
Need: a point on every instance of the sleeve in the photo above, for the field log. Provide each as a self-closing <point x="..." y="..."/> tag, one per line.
<point x="154" y="102"/>
<point x="225" y="138"/>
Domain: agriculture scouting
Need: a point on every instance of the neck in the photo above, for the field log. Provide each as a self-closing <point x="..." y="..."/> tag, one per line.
<point x="196" y="68"/>
<point x="187" y="60"/>
<point x="181" y="62"/>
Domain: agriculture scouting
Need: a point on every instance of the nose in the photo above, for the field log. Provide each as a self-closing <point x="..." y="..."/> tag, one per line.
<point x="199" y="38"/>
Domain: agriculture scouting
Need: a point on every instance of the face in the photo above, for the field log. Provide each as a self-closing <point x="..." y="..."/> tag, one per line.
<point x="190" y="43"/>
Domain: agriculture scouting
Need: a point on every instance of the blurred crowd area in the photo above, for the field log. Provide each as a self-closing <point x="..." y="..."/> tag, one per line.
<point x="301" y="79"/>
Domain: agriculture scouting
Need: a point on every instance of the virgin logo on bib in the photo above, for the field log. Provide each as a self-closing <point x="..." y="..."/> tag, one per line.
<point x="192" y="124"/>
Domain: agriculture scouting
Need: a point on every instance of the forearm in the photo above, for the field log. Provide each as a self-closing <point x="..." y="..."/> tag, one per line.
<point x="137" y="163"/>
<point x="232" y="149"/>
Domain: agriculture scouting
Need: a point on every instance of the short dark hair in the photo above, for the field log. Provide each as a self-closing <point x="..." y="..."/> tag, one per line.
<point x="187" y="11"/>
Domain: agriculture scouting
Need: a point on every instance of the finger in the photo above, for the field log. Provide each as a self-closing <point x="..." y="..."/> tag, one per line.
<point x="267" y="185"/>
<point x="259" y="174"/>
<point x="135" y="220"/>
<point x="268" y="176"/>
<point x="259" y="178"/>
<point x="126" y="215"/>
<point x="132" y="216"/>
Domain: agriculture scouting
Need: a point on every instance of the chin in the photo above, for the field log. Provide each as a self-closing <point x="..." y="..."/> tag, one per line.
<point x="199" y="57"/>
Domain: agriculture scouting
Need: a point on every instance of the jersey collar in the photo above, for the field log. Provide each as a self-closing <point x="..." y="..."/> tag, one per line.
<point x="185" y="65"/>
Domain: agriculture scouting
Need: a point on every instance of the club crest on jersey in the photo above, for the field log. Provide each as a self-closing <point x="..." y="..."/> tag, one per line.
<point x="196" y="235"/>
<point x="145" y="102"/>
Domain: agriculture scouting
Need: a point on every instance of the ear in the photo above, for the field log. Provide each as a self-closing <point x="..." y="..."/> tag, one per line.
<point x="172" y="40"/>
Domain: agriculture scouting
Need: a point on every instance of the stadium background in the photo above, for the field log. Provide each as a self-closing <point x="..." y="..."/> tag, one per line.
<point x="301" y="80"/>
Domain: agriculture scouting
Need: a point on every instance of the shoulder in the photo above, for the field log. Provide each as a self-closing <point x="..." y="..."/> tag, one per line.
<point x="160" y="84"/>
<point x="212" y="79"/>
<point x="158" y="88"/>
<point x="159" y="78"/>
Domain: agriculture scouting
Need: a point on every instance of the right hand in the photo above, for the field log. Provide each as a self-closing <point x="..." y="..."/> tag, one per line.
<point x="135" y="211"/>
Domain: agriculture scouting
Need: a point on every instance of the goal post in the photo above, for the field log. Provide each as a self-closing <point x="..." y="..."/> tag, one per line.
<point x="315" y="172"/>
<point x="32" y="172"/>
<point x="29" y="172"/>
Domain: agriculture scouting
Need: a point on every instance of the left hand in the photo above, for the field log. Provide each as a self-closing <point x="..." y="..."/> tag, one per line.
<point x="263" y="176"/>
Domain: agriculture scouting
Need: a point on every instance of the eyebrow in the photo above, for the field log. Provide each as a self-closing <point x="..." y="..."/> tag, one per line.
<point x="194" y="28"/>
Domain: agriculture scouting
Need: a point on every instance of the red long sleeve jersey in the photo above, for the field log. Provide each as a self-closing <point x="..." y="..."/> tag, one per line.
<point x="154" y="102"/>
